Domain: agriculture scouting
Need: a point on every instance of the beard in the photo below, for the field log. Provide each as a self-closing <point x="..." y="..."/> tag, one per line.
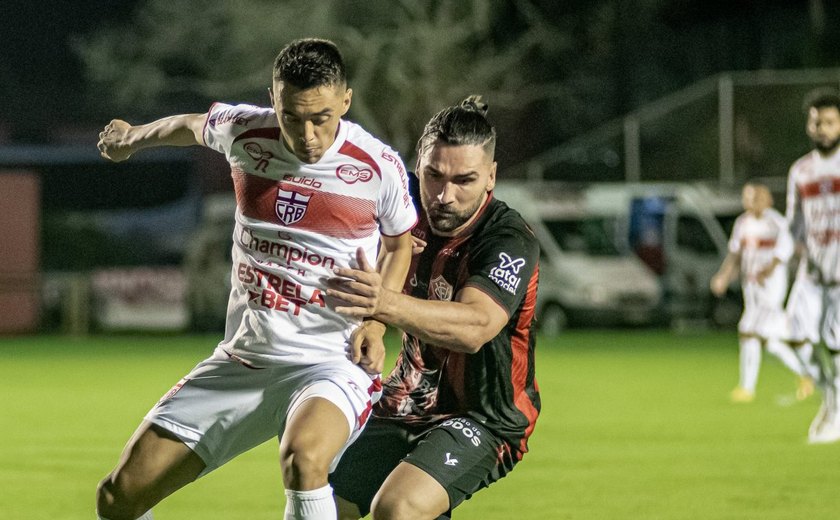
<point x="444" y="219"/>
<point x="826" y="148"/>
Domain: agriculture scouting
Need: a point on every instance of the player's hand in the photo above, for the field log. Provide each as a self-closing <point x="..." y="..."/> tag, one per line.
<point x="359" y="290"/>
<point x="113" y="144"/>
<point x="718" y="285"/>
<point x="765" y="273"/>
<point x="417" y="245"/>
<point x="367" y="349"/>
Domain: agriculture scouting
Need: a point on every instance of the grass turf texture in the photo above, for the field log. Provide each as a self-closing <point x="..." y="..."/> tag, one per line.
<point x="635" y="425"/>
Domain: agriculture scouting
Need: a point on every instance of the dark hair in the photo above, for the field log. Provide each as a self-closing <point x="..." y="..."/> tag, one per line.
<point x="462" y="124"/>
<point x="822" y="98"/>
<point x="310" y="62"/>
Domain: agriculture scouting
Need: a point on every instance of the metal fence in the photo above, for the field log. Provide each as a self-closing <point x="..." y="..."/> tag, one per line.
<point x="727" y="129"/>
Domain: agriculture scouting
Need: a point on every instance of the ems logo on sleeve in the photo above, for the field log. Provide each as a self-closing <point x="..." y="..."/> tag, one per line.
<point x="290" y="206"/>
<point x="506" y="274"/>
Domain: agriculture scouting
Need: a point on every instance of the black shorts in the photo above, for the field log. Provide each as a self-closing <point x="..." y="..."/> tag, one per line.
<point x="461" y="454"/>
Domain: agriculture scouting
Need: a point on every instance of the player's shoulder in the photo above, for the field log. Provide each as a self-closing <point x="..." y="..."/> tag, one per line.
<point x="502" y="221"/>
<point x="802" y="163"/>
<point x="773" y="213"/>
<point x="741" y="220"/>
<point x="776" y="218"/>
<point x="223" y="117"/>
<point x="358" y="141"/>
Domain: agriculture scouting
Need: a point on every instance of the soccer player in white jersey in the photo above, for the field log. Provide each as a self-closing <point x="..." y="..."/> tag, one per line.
<point x="762" y="244"/>
<point x="813" y="211"/>
<point x="311" y="188"/>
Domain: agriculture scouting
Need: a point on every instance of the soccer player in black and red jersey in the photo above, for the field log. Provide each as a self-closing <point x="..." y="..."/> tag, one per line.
<point x="459" y="407"/>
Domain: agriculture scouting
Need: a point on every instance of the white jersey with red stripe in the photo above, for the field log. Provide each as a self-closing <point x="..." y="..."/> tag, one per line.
<point x="813" y="211"/>
<point x="759" y="240"/>
<point x="295" y="223"/>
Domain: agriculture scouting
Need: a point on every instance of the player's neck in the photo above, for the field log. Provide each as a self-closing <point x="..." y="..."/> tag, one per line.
<point x="828" y="152"/>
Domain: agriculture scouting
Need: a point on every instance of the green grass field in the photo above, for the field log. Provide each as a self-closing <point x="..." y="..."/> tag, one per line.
<point x="635" y="425"/>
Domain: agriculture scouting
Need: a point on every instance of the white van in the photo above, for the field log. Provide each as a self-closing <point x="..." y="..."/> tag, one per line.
<point x="678" y="232"/>
<point x="588" y="274"/>
<point x="681" y="231"/>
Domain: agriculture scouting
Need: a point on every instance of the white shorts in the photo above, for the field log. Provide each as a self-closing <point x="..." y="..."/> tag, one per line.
<point x="223" y="408"/>
<point x="814" y="313"/>
<point x="763" y="314"/>
<point x="804" y="310"/>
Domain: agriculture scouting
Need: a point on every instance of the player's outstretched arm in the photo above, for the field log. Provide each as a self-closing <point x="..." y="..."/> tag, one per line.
<point x="119" y="140"/>
<point x="464" y="325"/>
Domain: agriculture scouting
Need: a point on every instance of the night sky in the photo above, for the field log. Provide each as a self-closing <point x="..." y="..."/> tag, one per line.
<point x="41" y="79"/>
<point x="42" y="83"/>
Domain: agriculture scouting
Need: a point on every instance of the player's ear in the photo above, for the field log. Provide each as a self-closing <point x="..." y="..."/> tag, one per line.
<point x="348" y="97"/>
<point x="491" y="181"/>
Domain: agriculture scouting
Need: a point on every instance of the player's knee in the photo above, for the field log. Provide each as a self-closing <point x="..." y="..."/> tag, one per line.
<point x="116" y="500"/>
<point x="392" y="507"/>
<point x="302" y="465"/>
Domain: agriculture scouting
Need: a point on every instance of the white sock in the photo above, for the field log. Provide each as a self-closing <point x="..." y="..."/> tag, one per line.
<point x="317" y="504"/>
<point x="146" y="516"/>
<point x="750" y="357"/>
<point x="787" y="356"/>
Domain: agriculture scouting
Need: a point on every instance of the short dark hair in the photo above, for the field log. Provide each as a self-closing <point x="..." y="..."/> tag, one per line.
<point x="462" y="124"/>
<point x="310" y="62"/>
<point x="822" y="98"/>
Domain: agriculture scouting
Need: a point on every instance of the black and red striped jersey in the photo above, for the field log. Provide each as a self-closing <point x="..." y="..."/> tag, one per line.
<point x="499" y="255"/>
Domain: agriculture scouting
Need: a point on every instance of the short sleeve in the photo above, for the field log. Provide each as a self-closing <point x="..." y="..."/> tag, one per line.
<point x="218" y="136"/>
<point x="503" y="264"/>
<point x="226" y="122"/>
<point x="395" y="207"/>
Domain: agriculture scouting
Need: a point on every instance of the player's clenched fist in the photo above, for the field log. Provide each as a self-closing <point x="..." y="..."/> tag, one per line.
<point x="113" y="141"/>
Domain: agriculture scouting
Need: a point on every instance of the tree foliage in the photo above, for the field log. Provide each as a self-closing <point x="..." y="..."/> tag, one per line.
<point x="406" y="59"/>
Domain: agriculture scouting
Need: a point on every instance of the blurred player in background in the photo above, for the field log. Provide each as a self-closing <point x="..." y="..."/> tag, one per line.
<point x="804" y="303"/>
<point x="457" y="411"/>
<point x="761" y="245"/>
<point x="813" y="211"/>
<point x="311" y="190"/>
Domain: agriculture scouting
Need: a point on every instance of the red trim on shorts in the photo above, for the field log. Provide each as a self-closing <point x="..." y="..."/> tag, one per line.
<point x="375" y="386"/>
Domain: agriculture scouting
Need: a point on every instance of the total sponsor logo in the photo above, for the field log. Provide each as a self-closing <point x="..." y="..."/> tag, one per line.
<point x="506" y="274"/>
<point x="350" y="174"/>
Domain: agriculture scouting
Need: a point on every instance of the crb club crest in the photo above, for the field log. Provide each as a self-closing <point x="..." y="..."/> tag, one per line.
<point x="441" y="288"/>
<point x="290" y="206"/>
<point x="350" y="174"/>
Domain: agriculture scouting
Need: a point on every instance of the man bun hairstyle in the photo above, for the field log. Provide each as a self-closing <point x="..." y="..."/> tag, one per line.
<point x="309" y="63"/>
<point x="462" y="124"/>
